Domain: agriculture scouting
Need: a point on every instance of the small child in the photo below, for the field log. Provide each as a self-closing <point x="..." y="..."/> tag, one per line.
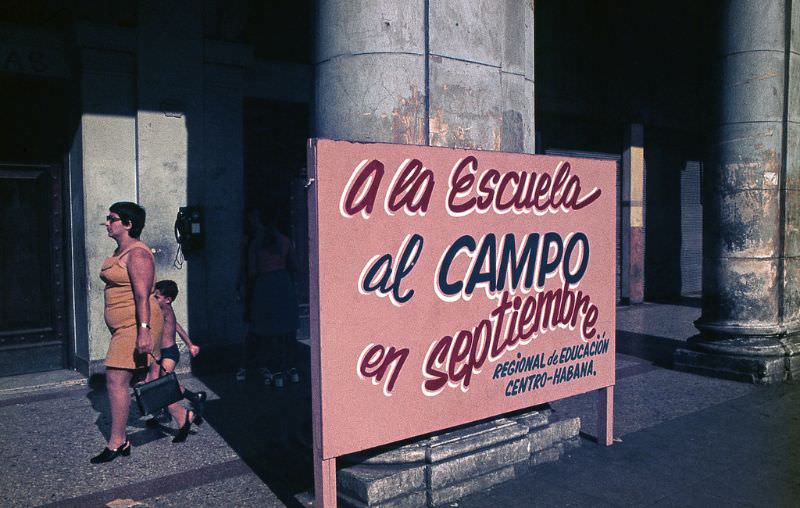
<point x="165" y="293"/>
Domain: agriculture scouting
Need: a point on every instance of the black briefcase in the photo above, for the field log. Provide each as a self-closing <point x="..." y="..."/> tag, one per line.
<point x="157" y="394"/>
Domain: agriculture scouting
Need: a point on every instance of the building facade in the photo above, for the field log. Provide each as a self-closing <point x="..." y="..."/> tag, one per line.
<point x="208" y="105"/>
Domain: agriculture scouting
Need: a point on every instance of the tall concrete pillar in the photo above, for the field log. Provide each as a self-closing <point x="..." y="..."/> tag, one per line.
<point x="750" y="326"/>
<point x="633" y="213"/>
<point x="102" y="170"/>
<point x="220" y="189"/>
<point x="169" y="128"/>
<point x="447" y="73"/>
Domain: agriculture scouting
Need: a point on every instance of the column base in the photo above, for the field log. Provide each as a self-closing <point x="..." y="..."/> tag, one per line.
<point x="441" y="469"/>
<point x="757" y="360"/>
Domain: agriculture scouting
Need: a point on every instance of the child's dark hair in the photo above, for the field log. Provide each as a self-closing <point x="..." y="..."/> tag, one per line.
<point x="168" y="288"/>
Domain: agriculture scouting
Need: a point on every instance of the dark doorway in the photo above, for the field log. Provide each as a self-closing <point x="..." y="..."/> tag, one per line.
<point x="275" y="135"/>
<point x="33" y="141"/>
<point x="32" y="310"/>
<point x="603" y="65"/>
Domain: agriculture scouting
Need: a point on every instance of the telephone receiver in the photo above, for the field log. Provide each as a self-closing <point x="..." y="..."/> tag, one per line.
<point x="189" y="228"/>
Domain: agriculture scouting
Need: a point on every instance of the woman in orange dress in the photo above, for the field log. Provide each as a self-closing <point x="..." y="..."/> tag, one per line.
<point x="134" y="319"/>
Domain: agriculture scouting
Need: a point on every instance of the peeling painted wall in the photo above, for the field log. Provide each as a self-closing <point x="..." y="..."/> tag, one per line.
<point x="464" y="79"/>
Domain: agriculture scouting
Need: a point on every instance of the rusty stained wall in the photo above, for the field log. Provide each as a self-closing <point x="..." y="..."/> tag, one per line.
<point x="371" y="97"/>
<point x="481" y="75"/>
<point x="465" y="105"/>
<point x="743" y="260"/>
<point x="465" y="79"/>
<point x="408" y="119"/>
<point x="370" y="71"/>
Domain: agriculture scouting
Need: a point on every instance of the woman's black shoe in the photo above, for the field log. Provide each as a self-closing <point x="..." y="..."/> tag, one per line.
<point x="108" y="455"/>
<point x="183" y="432"/>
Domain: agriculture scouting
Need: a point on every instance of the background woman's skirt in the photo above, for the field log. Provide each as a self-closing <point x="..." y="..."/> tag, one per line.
<point x="273" y="310"/>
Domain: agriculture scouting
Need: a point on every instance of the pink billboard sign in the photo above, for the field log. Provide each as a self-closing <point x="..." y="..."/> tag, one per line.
<point x="451" y="285"/>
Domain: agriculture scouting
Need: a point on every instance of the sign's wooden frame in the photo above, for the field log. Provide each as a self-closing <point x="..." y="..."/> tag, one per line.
<point x="325" y="468"/>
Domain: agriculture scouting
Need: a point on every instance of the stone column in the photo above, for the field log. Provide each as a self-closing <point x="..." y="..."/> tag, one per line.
<point x="633" y="213"/>
<point x="102" y="170"/>
<point x="370" y="71"/>
<point x="215" y="310"/>
<point x="480" y="75"/>
<point x="751" y="298"/>
<point x="445" y="73"/>
<point x="169" y="130"/>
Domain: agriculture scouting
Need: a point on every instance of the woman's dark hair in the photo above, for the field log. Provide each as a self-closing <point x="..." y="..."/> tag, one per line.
<point x="168" y="288"/>
<point x="130" y="213"/>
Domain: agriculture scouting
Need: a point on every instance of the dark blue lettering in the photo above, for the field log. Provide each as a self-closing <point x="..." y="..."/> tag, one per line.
<point x="463" y="242"/>
<point x="526" y="260"/>
<point x="488" y="248"/>
<point x="407" y="263"/>
<point x="574" y="278"/>
<point x="545" y="265"/>
<point x="408" y="258"/>
<point x="368" y="285"/>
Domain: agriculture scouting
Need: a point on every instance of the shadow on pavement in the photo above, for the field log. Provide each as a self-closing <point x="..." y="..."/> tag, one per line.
<point x="269" y="428"/>
<point x="98" y="398"/>
<point x="658" y="350"/>
<point x="683" y="301"/>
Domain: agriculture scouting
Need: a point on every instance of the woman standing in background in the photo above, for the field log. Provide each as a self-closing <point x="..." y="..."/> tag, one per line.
<point x="272" y="309"/>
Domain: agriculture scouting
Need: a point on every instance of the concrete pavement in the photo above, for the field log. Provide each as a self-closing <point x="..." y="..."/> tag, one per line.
<point x="682" y="440"/>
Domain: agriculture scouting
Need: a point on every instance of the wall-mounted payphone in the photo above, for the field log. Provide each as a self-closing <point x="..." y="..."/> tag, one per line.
<point x="189" y="228"/>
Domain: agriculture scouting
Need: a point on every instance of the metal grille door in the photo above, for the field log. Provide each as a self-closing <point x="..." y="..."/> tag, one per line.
<point x="691" y="230"/>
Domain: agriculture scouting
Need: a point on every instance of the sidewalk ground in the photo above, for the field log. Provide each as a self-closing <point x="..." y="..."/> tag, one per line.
<point x="243" y="455"/>
<point x="682" y="440"/>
